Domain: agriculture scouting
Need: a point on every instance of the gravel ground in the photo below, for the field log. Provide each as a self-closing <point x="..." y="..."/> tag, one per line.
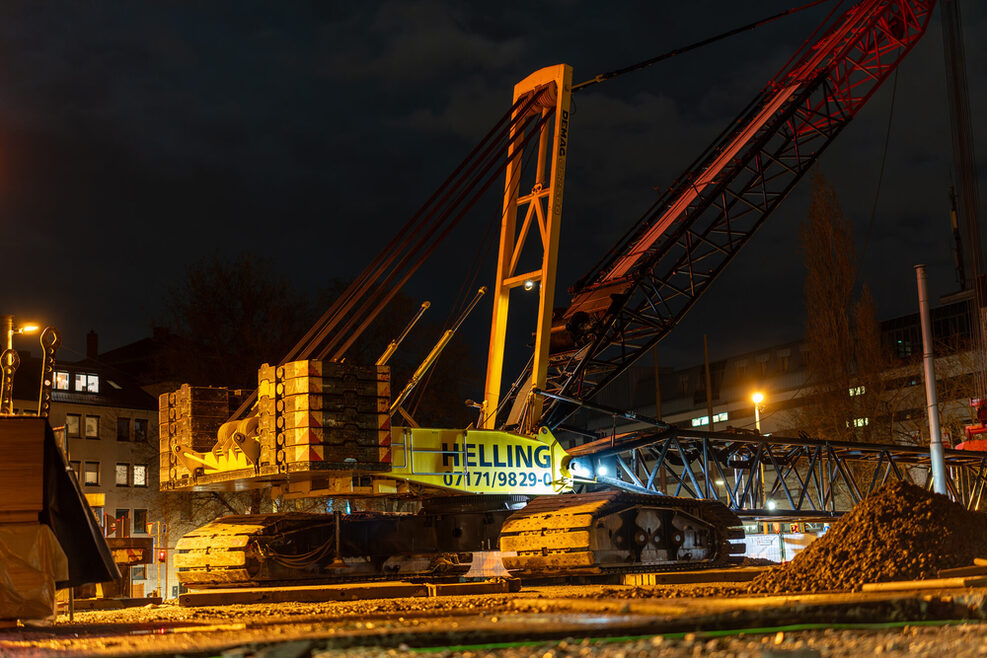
<point x="953" y="641"/>
<point x="305" y="630"/>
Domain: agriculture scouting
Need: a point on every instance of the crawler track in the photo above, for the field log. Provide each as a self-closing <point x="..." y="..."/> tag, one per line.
<point x="282" y="549"/>
<point x="618" y="532"/>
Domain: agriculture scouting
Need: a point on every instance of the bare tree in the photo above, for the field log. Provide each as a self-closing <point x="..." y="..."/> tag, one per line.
<point x="233" y="314"/>
<point x="846" y="360"/>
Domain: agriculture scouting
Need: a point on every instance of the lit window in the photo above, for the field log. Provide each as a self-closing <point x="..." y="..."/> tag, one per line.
<point x="140" y="475"/>
<point x="123" y="429"/>
<point x="61" y="380"/>
<point x="72" y="424"/>
<point x="86" y="383"/>
<point x="857" y="390"/>
<point x="861" y="422"/>
<point x="123" y="475"/>
<point x="92" y="473"/>
<point x="92" y="427"/>
<point x="704" y="420"/>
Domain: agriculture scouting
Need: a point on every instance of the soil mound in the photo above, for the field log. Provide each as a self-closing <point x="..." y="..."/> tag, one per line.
<point x="899" y="532"/>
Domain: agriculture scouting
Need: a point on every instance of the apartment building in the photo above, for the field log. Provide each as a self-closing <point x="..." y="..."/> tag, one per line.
<point x="107" y="426"/>
<point x="780" y="374"/>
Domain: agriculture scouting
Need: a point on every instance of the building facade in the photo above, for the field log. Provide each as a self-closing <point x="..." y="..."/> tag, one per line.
<point x="780" y="373"/>
<point x="107" y="427"/>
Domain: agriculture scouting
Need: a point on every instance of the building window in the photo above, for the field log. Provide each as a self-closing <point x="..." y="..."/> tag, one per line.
<point x="140" y="430"/>
<point x="138" y="572"/>
<point x="77" y="467"/>
<point x="784" y="363"/>
<point x="857" y="390"/>
<point x="721" y="417"/>
<point x="91" y="474"/>
<point x="123" y="429"/>
<point x="61" y="382"/>
<point x="92" y="427"/>
<point x="684" y="384"/>
<point x="140" y="475"/>
<point x="86" y="383"/>
<point x="860" y="422"/>
<point x="72" y="424"/>
<point x="140" y="521"/>
<point x="123" y="475"/>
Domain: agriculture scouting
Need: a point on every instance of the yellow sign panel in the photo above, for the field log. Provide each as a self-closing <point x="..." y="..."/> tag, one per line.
<point x="96" y="499"/>
<point x="480" y="461"/>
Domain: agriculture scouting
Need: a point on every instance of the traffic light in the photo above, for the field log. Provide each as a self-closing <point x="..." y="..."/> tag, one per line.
<point x="162" y="555"/>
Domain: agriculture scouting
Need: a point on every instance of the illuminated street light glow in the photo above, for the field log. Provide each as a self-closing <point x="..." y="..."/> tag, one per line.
<point x="772" y="504"/>
<point x="529" y="285"/>
<point x="12" y="330"/>
<point x="758" y="397"/>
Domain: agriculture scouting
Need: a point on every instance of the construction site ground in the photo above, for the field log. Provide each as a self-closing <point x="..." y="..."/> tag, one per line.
<point x="675" y="620"/>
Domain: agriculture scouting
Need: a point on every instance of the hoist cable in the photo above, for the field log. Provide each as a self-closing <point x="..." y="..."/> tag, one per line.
<point x="371" y="304"/>
<point x="466" y="205"/>
<point x="880" y="177"/>
<point x="460" y="177"/>
<point x="602" y="77"/>
<point x="486" y="244"/>
<point x="368" y="275"/>
<point x="321" y="329"/>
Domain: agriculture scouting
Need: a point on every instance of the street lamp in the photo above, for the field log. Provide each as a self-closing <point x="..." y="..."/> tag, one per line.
<point x="9" y="361"/>
<point x="758" y="398"/>
<point x="11" y="329"/>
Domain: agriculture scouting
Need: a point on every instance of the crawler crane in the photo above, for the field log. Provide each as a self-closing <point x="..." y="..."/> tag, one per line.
<point x="320" y="426"/>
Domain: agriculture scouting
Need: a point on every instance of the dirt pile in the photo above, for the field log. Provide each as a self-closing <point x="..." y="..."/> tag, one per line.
<point x="899" y="532"/>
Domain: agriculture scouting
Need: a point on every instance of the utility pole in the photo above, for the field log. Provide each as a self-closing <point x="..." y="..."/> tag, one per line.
<point x="929" y="370"/>
<point x="709" y="384"/>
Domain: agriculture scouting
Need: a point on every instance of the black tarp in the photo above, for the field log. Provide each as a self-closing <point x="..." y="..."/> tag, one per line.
<point x="68" y="515"/>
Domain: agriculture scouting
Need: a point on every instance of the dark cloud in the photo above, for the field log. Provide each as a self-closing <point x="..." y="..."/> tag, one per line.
<point x="138" y="137"/>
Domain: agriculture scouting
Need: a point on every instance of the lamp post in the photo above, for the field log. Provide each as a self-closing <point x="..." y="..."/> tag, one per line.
<point x="9" y="362"/>
<point x="758" y="398"/>
<point x="10" y="329"/>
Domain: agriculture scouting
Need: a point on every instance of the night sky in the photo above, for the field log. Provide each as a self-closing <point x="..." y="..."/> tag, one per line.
<point x="137" y="138"/>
